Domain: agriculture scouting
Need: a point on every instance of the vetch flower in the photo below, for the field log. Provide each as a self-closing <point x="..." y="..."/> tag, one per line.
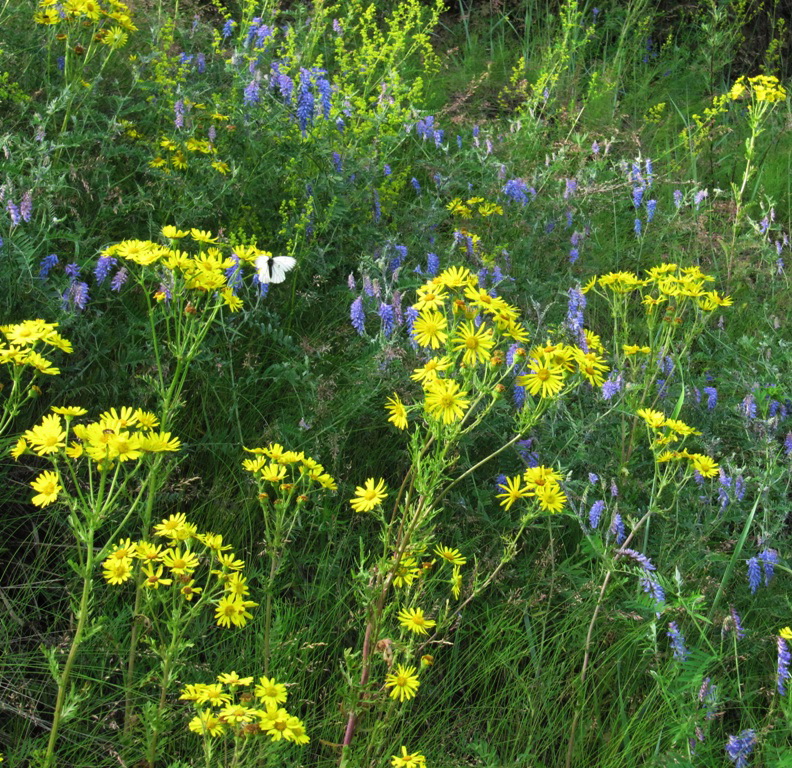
<point x="595" y="513"/>
<point x="739" y="747"/>
<point x="681" y="653"/>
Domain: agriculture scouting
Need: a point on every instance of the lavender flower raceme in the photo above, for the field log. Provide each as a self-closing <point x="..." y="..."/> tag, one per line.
<point x="325" y="94"/>
<point x="251" y="93"/>
<point x="611" y="386"/>
<point x="681" y="653"/>
<point x="13" y="212"/>
<point x="637" y="196"/>
<point x="119" y="279"/>
<point x="739" y="747"/>
<point x="639" y="558"/>
<point x="358" y="316"/>
<point x="517" y="190"/>
<point x="748" y="406"/>
<point x="768" y="558"/>
<point x="593" y="478"/>
<point x="26" y="206"/>
<point x="416" y="185"/>
<point x="432" y="264"/>
<point x="736" y="623"/>
<point x="617" y="529"/>
<point x="653" y="588"/>
<point x="178" y="110"/>
<point x="103" y="267"/>
<point x="637" y="227"/>
<point x="712" y="397"/>
<point x="754" y="574"/>
<point x="228" y="28"/>
<point x="651" y="207"/>
<point x="788" y="444"/>
<point x="386" y="314"/>
<point x="305" y="102"/>
<point x="47" y="263"/>
<point x="782" y="671"/>
<point x="595" y="513"/>
<point x="678" y="198"/>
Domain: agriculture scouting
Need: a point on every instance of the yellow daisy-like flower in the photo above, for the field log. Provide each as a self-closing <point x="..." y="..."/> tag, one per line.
<point x="540" y="476"/>
<point x="397" y="413"/>
<point x="706" y="466"/>
<point x="270" y="692"/>
<point x="430" y="297"/>
<point x="680" y="427"/>
<point x="551" y="498"/>
<point x="232" y="678"/>
<point x="456" y="582"/>
<point x="273" y="473"/>
<point x="154" y="578"/>
<point x="189" y="590"/>
<point x="653" y="419"/>
<point x="415" y="621"/>
<point x="513" y="491"/>
<point x="456" y="277"/>
<point x="69" y="411"/>
<point x="429" y="329"/>
<point x="47" y="488"/>
<point x="408" y="760"/>
<point x="202" y="236"/>
<point x="475" y="342"/>
<point x="368" y="496"/>
<point x="173" y="233"/>
<point x="453" y="556"/>
<point x="19" y="449"/>
<point x="403" y="683"/>
<point x="786" y="633"/>
<point x="406" y="572"/>
<point x="205" y="722"/>
<point x="295" y="731"/>
<point x="445" y="401"/>
<point x="428" y="372"/>
<point x="47" y="437"/>
<point x="229" y="560"/>
<point x="236" y="714"/>
<point x="172" y="526"/>
<point x="117" y="571"/>
<point x="180" y="563"/>
<point x="233" y="611"/>
<point x="543" y="378"/>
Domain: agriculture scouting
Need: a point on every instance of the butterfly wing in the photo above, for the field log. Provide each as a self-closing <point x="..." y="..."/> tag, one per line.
<point x="279" y="266"/>
<point x="263" y="268"/>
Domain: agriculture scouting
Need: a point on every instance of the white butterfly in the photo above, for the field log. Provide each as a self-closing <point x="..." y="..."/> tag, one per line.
<point x="273" y="269"/>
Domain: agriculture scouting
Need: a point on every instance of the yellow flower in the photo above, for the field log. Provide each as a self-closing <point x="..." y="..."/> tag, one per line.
<point x="205" y="722"/>
<point x="232" y="678"/>
<point x="786" y="633"/>
<point x="202" y="236"/>
<point x="233" y="610"/>
<point x="19" y="449"/>
<point x="270" y="692"/>
<point x="704" y="465"/>
<point x="172" y="526"/>
<point x="154" y="578"/>
<point x="453" y="556"/>
<point x="430" y="297"/>
<point x="543" y="379"/>
<point x="429" y="329"/>
<point x="47" y="487"/>
<point x="231" y="300"/>
<point x="69" y="411"/>
<point x="445" y="401"/>
<point x="456" y="277"/>
<point x="408" y="760"/>
<point x="653" y="419"/>
<point x="189" y="590"/>
<point x="403" y="683"/>
<point x="117" y="571"/>
<point x="513" y="491"/>
<point x="369" y="495"/>
<point x="229" y="560"/>
<point x="173" y="233"/>
<point x="415" y="621"/>
<point x="159" y="442"/>
<point x="476" y="343"/>
<point x="406" y="572"/>
<point x="221" y="167"/>
<point x="428" y="372"/>
<point x="680" y="427"/>
<point x="540" y="476"/>
<point x="397" y="412"/>
<point x="180" y="563"/>
<point x="236" y="714"/>
<point x="456" y="582"/>
<point x="551" y="498"/>
<point x="47" y="437"/>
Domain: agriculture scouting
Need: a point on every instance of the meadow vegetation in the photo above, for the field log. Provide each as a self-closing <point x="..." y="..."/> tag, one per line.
<point x="395" y="384"/>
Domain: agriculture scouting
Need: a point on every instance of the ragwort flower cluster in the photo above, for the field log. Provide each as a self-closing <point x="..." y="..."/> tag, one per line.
<point x="237" y="707"/>
<point x="118" y="436"/>
<point x="174" y="565"/>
